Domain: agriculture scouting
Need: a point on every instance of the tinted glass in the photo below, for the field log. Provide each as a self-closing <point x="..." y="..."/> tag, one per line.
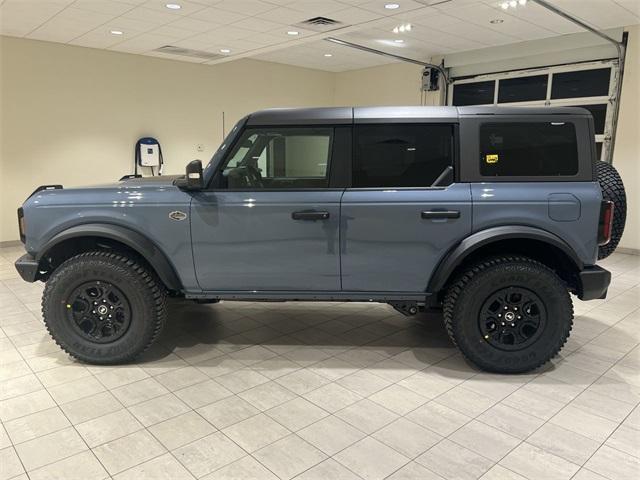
<point x="523" y="89"/>
<point x="279" y="158"/>
<point x="582" y="83"/>
<point x="599" y="113"/>
<point x="528" y="149"/>
<point x="401" y="155"/>
<point x="477" y="93"/>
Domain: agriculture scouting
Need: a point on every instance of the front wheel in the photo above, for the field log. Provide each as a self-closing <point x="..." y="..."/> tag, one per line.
<point x="103" y="308"/>
<point x="508" y="314"/>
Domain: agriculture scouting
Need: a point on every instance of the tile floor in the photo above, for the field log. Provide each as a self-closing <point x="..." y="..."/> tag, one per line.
<point x="319" y="391"/>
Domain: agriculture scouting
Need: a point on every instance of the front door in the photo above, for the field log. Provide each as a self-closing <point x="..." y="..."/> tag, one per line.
<point x="403" y="211"/>
<point x="271" y="221"/>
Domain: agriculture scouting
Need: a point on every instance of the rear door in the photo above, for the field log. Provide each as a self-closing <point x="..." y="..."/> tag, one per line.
<point x="404" y="210"/>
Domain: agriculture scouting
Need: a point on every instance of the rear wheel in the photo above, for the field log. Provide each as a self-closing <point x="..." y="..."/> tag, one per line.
<point x="612" y="190"/>
<point x="103" y="308"/>
<point x="508" y="314"/>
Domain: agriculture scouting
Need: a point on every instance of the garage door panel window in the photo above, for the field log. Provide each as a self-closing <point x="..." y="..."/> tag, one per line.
<point x="281" y="158"/>
<point x="528" y="149"/>
<point x="523" y="89"/>
<point x="389" y="156"/>
<point x="476" y="93"/>
<point x="581" y="83"/>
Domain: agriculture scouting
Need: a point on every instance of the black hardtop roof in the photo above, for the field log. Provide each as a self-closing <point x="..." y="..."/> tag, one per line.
<point x="399" y="114"/>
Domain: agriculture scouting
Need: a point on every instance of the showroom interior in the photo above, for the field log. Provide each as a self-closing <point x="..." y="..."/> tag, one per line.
<point x="95" y="92"/>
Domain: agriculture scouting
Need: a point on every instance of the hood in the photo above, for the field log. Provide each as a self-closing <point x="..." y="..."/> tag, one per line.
<point x="160" y="181"/>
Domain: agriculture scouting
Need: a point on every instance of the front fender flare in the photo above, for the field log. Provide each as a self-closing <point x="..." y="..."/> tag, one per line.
<point x="466" y="247"/>
<point x="134" y="240"/>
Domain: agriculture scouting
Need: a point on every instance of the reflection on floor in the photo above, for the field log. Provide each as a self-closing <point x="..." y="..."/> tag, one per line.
<point x="319" y="391"/>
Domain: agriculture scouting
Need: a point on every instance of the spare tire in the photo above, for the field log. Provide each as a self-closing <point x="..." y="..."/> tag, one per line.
<point x="612" y="190"/>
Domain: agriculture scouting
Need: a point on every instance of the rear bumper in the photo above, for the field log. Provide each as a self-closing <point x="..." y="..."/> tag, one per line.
<point x="27" y="267"/>
<point x="594" y="283"/>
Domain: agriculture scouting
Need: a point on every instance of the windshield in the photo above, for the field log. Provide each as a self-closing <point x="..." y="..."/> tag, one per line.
<point x="217" y="156"/>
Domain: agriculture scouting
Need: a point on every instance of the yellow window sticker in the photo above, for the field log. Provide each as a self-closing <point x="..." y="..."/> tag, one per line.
<point x="491" y="158"/>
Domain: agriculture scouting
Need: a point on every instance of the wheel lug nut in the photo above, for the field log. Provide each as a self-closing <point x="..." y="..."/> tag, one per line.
<point x="515" y="308"/>
<point x="513" y="324"/>
<point x="499" y="314"/>
<point x="506" y="308"/>
<point x="502" y="323"/>
<point x="519" y="317"/>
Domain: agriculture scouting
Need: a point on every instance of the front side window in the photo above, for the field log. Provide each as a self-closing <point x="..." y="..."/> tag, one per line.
<point x="288" y="157"/>
<point x="402" y="155"/>
<point x="533" y="149"/>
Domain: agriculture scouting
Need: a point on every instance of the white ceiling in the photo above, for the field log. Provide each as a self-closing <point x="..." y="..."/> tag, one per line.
<point x="258" y="28"/>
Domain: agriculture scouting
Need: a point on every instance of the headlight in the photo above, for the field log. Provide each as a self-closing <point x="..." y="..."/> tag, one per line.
<point x="21" y="225"/>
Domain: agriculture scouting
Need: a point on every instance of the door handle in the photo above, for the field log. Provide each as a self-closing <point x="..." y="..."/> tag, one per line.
<point x="437" y="214"/>
<point x="310" y="215"/>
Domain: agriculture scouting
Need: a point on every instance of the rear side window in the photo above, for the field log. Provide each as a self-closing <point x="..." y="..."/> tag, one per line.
<point x="534" y="149"/>
<point x="402" y="155"/>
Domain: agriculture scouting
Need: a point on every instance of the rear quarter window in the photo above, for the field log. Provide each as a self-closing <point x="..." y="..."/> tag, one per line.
<point x="531" y="149"/>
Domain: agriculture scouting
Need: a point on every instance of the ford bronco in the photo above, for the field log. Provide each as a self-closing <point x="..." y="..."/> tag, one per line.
<point x="496" y="215"/>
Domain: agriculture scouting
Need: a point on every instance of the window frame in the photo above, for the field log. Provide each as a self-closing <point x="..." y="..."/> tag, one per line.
<point x="470" y="148"/>
<point x="455" y="151"/>
<point x="339" y="140"/>
<point x="523" y="124"/>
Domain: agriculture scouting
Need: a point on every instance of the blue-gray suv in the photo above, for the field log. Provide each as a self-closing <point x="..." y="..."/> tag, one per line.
<point x="495" y="215"/>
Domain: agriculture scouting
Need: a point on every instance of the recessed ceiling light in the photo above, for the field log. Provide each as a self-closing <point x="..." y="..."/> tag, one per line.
<point x="225" y="50"/>
<point x="173" y="6"/>
<point x="293" y="32"/>
<point x="405" y="27"/>
<point x="328" y="54"/>
<point x="496" y="21"/>
<point x="399" y="40"/>
<point x="391" y="6"/>
<point x="116" y="32"/>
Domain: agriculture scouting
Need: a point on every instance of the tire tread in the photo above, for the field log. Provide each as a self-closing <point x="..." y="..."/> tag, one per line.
<point x="456" y="288"/>
<point x="129" y="266"/>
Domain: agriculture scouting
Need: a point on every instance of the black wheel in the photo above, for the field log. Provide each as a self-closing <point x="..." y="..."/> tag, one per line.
<point x="508" y="314"/>
<point x="612" y="190"/>
<point x="103" y="308"/>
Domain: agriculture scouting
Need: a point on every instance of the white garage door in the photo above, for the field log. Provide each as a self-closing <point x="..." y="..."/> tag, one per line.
<point x="590" y="85"/>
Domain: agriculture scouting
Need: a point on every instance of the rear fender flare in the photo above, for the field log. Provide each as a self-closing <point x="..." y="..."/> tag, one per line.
<point x="472" y="243"/>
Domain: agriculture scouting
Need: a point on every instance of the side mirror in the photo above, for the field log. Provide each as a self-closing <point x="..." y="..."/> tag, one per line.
<point x="193" y="179"/>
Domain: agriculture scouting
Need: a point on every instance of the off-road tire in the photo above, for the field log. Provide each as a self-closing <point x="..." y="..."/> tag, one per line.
<point x="612" y="190"/>
<point x="145" y="293"/>
<point x="463" y="303"/>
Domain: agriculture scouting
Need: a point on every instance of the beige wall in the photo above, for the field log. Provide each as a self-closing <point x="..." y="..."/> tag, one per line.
<point x="393" y="84"/>
<point x="626" y="156"/>
<point x="71" y="115"/>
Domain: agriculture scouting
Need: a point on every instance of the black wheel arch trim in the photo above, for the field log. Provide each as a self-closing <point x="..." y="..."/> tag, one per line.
<point x="473" y="242"/>
<point x="132" y="239"/>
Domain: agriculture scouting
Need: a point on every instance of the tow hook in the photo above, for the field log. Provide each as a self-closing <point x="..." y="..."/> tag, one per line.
<point x="408" y="309"/>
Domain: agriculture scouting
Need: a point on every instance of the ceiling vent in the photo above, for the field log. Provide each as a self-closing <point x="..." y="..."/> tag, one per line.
<point x="320" y="24"/>
<point x="187" y="52"/>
